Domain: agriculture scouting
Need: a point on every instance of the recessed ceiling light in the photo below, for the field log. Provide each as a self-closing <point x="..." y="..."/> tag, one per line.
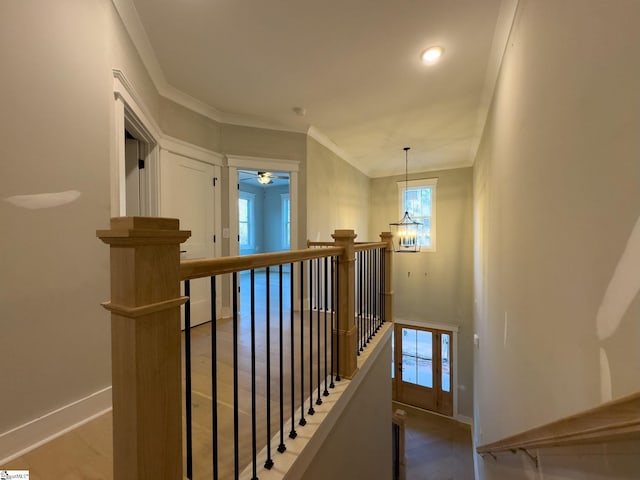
<point x="432" y="54"/>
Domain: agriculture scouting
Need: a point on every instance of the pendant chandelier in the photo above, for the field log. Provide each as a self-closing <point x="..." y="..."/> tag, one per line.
<point x="405" y="232"/>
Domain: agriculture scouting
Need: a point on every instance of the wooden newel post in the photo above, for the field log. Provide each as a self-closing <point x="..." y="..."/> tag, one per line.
<point x="146" y="349"/>
<point x="346" y="331"/>
<point x="386" y="237"/>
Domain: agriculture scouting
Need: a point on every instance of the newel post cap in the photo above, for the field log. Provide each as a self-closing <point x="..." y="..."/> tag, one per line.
<point x="344" y="235"/>
<point x="147" y="230"/>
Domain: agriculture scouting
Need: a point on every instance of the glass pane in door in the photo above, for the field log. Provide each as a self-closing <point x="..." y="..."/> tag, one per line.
<point x="409" y="372"/>
<point x="393" y="355"/>
<point x="424" y="358"/>
<point x="445" y="366"/>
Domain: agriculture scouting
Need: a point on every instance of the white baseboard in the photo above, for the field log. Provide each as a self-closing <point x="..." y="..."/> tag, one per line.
<point x="31" y="435"/>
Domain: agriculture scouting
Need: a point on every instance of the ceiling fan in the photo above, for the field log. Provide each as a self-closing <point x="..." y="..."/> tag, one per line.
<point x="264" y="178"/>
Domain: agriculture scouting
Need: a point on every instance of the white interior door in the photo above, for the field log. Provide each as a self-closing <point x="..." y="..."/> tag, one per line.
<point x="187" y="193"/>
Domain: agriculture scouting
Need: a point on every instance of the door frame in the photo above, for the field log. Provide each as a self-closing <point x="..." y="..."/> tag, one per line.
<point x="131" y="114"/>
<point x="454" y="358"/>
<point x="237" y="162"/>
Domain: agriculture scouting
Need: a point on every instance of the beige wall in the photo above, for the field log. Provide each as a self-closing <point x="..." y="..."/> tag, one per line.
<point x="436" y="286"/>
<point x="337" y="195"/>
<point x="557" y="197"/>
<point x="359" y="446"/>
<point x="55" y="135"/>
<point x="180" y="122"/>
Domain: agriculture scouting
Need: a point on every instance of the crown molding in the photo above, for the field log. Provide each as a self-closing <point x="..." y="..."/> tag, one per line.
<point x="326" y="142"/>
<point x="133" y="25"/>
<point x="380" y="173"/>
<point x="256" y="122"/>
<point x="501" y="34"/>
<point x="129" y="16"/>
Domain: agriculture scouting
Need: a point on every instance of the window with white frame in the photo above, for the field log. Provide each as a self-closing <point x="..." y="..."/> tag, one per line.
<point x="245" y="219"/>
<point x="418" y="198"/>
<point x="286" y="221"/>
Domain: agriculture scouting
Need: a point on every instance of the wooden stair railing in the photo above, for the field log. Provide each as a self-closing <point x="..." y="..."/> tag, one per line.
<point x="145" y="328"/>
<point x="614" y="420"/>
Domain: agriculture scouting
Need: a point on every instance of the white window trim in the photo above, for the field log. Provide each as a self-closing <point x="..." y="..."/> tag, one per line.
<point x="283" y="198"/>
<point x="250" y="197"/>
<point x="422" y="182"/>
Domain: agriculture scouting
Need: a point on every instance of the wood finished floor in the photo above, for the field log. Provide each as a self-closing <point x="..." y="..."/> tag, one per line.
<point x="437" y="448"/>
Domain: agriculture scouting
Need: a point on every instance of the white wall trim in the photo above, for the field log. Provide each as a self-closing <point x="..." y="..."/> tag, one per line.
<point x="24" y="438"/>
<point x="180" y="147"/>
<point x="129" y="108"/>
<point x="124" y="89"/>
<point x="235" y="162"/>
<point x="438" y="326"/>
<point x="329" y="144"/>
<point x="254" y="163"/>
<point x="131" y="20"/>
<point x="501" y="35"/>
<point x="129" y="16"/>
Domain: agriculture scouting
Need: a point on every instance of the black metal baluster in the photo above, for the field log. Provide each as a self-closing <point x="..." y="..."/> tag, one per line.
<point x="311" y="410"/>
<point x="292" y="433"/>
<point x="326" y="307"/>
<point x="236" y="406"/>
<point x="383" y="286"/>
<point x="376" y="312"/>
<point x="302" y="421"/>
<point x="318" y="371"/>
<point x="333" y="316"/>
<point x="187" y="367"/>
<point x="269" y="462"/>
<point x="365" y="298"/>
<point x="376" y="265"/>
<point x="254" y="447"/>
<point x="369" y="297"/>
<point x="214" y="379"/>
<point x="281" y="447"/>
<point x="360" y="302"/>
<point x="337" y="310"/>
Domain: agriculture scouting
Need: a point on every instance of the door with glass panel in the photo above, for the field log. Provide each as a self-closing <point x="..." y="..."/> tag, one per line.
<point x="423" y="368"/>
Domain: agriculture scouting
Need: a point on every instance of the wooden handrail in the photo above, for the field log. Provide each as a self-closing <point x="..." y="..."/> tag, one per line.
<point x="207" y="267"/>
<point x="359" y="247"/>
<point x="146" y="271"/>
<point x="612" y="420"/>
<point x="320" y="244"/>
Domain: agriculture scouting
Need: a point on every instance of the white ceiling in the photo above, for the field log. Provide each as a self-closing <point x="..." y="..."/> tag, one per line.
<point x="352" y="64"/>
